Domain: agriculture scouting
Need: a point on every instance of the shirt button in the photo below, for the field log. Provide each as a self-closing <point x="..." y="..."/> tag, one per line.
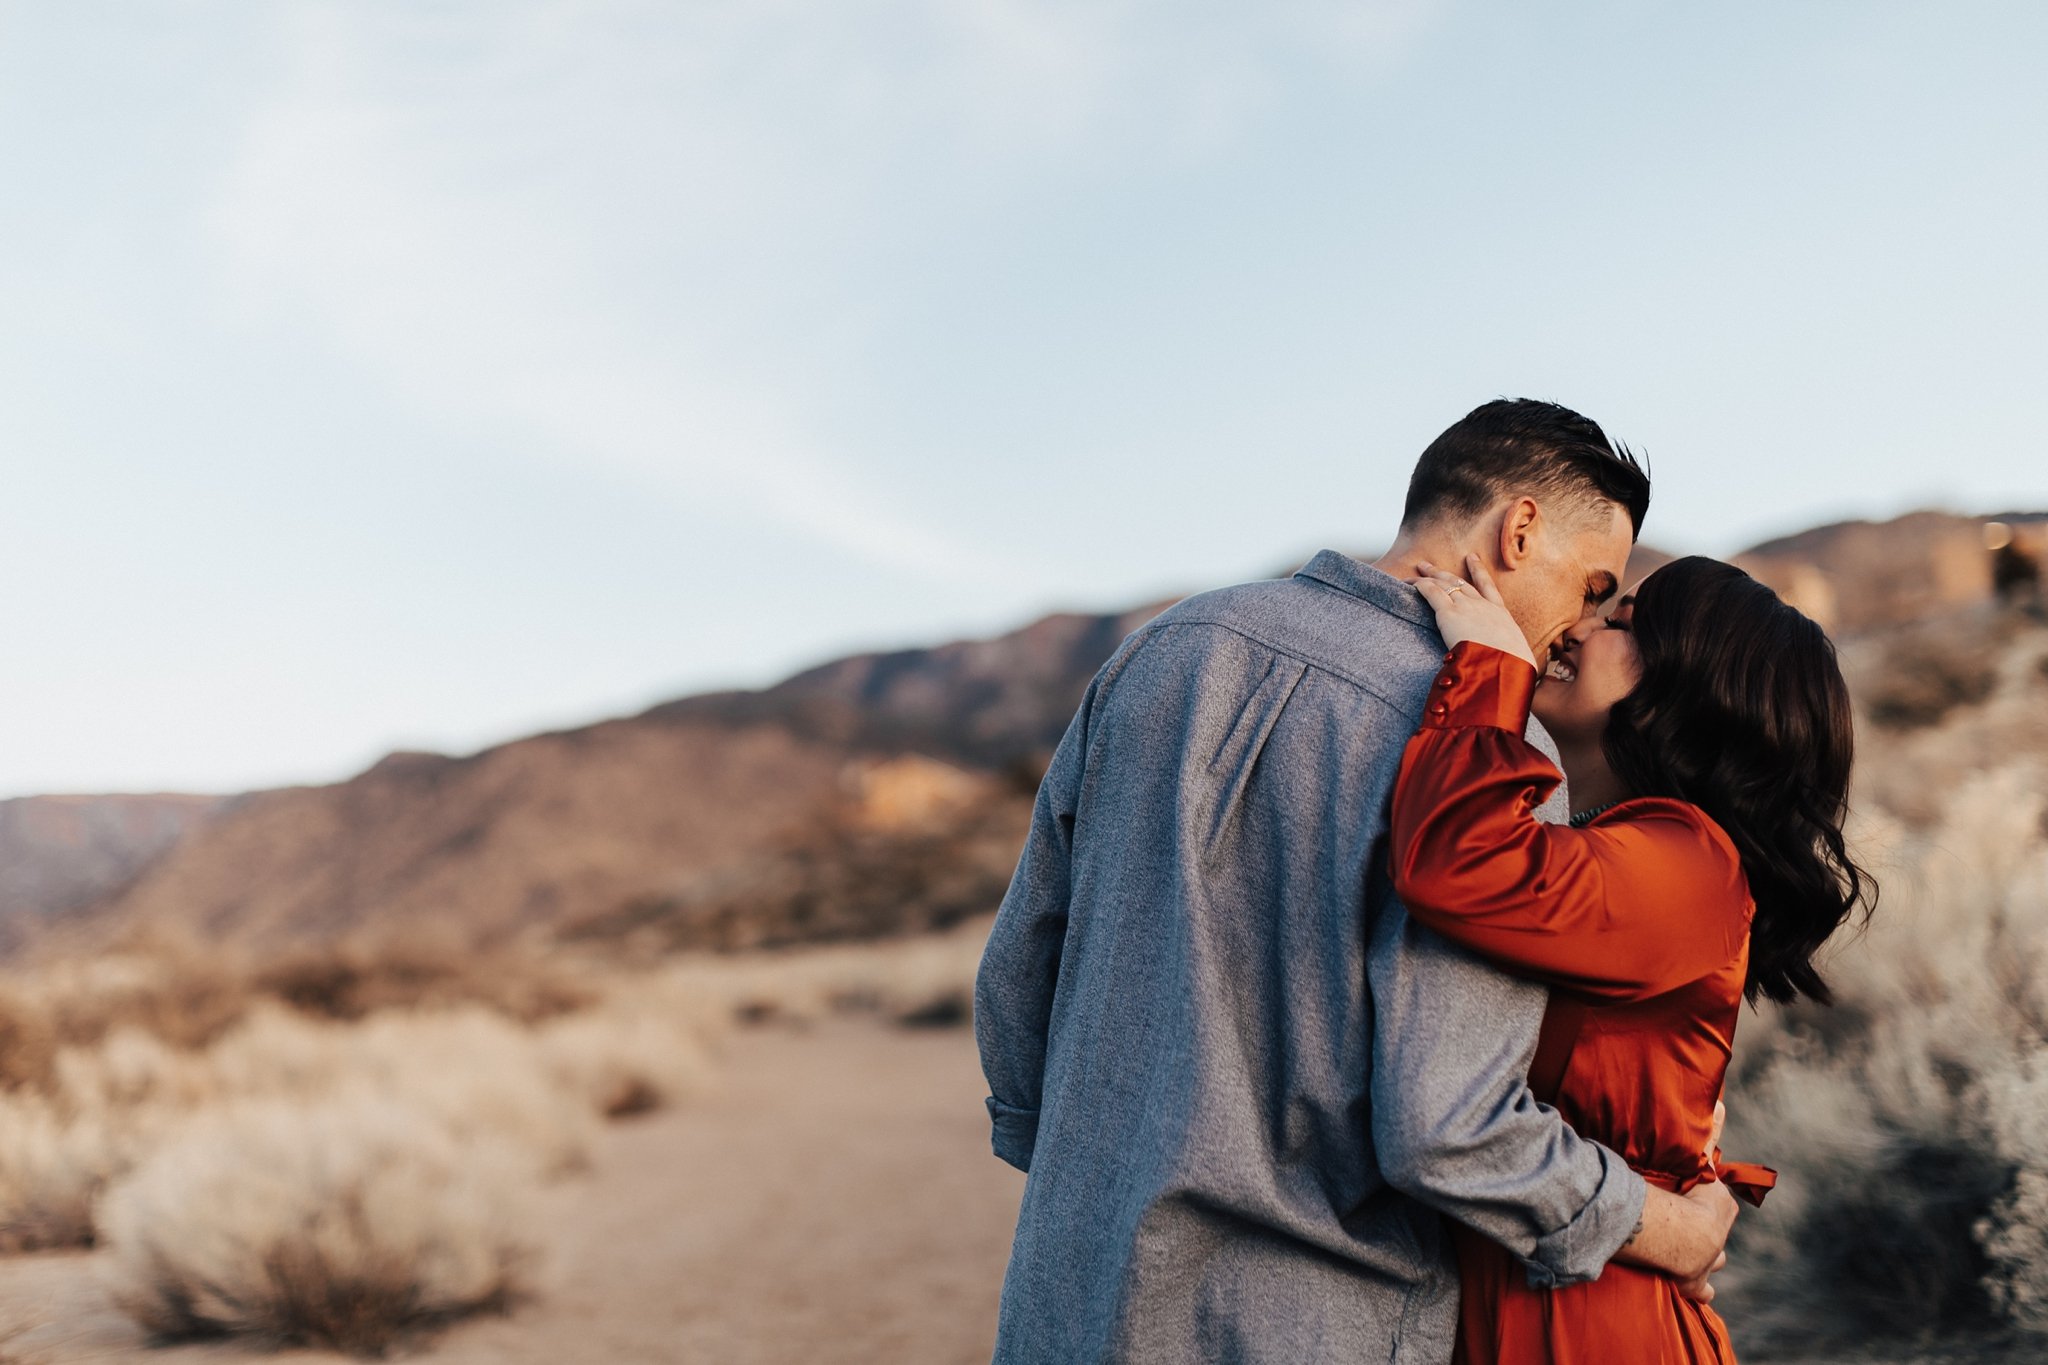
<point x="1447" y="680"/>
<point x="1442" y="708"/>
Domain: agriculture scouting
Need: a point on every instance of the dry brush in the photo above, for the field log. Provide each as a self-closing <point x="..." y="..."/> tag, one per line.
<point x="1910" y="1122"/>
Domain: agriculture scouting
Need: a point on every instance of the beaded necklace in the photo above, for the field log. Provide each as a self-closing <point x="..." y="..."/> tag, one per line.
<point x="1587" y="817"/>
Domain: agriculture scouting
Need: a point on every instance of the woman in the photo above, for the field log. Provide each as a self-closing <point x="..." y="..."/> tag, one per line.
<point x="1705" y="730"/>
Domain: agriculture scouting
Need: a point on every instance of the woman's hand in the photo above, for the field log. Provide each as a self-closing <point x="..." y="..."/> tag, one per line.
<point x="1472" y="610"/>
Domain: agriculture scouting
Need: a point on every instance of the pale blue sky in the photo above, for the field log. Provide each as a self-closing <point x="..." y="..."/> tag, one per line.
<point x="419" y="375"/>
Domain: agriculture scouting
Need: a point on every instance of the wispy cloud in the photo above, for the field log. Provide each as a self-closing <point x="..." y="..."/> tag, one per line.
<point x="556" y="220"/>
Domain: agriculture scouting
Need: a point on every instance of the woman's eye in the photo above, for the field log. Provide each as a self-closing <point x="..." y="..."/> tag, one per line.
<point x="1615" y="623"/>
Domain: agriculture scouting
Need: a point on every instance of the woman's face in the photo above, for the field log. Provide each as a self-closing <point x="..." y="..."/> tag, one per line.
<point x="1599" y="666"/>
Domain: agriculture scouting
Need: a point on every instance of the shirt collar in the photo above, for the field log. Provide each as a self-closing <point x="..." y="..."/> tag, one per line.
<point x="1356" y="578"/>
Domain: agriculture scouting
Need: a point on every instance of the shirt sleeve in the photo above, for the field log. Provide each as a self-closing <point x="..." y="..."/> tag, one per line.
<point x="1020" y="967"/>
<point x="1455" y="1125"/>
<point x="1647" y="900"/>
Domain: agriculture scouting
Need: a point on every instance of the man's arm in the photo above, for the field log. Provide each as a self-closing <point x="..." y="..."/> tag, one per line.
<point x="1683" y="1236"/>
<point x="1435" y="1146"/>
<point x="1456" y="1127"/>
<point x="1013" y="991"/>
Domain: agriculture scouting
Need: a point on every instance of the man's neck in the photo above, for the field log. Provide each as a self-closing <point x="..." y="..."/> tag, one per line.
<point x="1409" y="550"/>
<point x="1591" y="782"/>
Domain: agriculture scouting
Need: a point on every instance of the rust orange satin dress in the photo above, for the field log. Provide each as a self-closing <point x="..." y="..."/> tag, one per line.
<point x="1639" y="923"/>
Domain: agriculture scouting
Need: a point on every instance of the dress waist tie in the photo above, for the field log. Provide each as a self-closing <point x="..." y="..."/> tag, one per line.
<point x="1746" y="1179"/>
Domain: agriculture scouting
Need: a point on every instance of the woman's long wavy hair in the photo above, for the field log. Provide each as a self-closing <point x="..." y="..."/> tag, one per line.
<point x="1742" y="711"/>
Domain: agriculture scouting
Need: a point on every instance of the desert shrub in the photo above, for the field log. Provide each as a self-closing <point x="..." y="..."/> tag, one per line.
<point x="52" y="1167"/>
<point x="533" y="1094"/>
<point x="80" y="1003"/>
<point x="485" y="1079"/>
<point x="1911" y="1124"/>
<point x="1930" y="670"/>
<point x="176" y="992"/>
<point x="955" y="1009"/>
<point x="129" y="1069"/>
<point x="482" y="1076"/>
<point x="347" y="1226"/>
<point x="625" y="1061"/>
<point x="352" y="981"/>
<point x="1913" y="774"/>
<point x="922" y="981"/>
<point x="185" y="1000"/>
<point x="102" y="1108"/>
<point x="2015" y="1233"/>
<point x="28" y="1045"/>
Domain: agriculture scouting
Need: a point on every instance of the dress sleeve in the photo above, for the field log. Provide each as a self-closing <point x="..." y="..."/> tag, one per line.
<point x="1649" y="899"/>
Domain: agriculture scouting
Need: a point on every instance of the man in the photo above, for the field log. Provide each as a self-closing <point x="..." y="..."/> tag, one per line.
<point x="1242" y="1081"/>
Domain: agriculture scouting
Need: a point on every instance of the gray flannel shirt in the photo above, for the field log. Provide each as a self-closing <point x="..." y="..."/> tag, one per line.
<point x="1243" y="1082"/>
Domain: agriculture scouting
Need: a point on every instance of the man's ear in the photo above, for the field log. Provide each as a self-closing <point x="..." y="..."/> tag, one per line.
<point x="1521" y="528"/>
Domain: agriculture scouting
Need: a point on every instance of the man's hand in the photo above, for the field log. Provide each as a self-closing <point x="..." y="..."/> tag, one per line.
<point x="1683" y="1236"/>
<point x="1699" y="1288"/>
<point x="1717" y="1202"/>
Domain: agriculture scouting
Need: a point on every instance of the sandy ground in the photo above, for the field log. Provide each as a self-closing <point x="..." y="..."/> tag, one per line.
<point x="834" y="1200"/>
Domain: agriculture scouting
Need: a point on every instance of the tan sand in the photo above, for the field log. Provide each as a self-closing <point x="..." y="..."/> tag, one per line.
<point x="835" y="1200"/>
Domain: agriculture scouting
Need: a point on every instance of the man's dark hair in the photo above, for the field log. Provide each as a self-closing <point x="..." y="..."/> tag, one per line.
<point x="1516" y="446"/>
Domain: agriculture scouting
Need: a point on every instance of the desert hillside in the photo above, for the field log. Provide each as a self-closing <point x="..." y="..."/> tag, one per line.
<point x="871" y="795"/>
<point x="58" y="853"/>
<point x="535" y="834"/>
<point x="876" y="794"/>
<point x="1855" y="576"/>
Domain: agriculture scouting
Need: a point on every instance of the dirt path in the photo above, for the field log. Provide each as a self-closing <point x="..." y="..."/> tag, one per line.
<point x="835" y="1200"/>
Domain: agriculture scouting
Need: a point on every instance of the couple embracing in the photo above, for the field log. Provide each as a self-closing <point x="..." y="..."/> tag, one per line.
<point x="1366" y="987"/>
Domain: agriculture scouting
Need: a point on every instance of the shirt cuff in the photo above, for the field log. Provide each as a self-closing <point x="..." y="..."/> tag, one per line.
<point x="1481" y="685"/>
<point x="1581" y="1249"/>
<point x="1016" y="1132"/>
